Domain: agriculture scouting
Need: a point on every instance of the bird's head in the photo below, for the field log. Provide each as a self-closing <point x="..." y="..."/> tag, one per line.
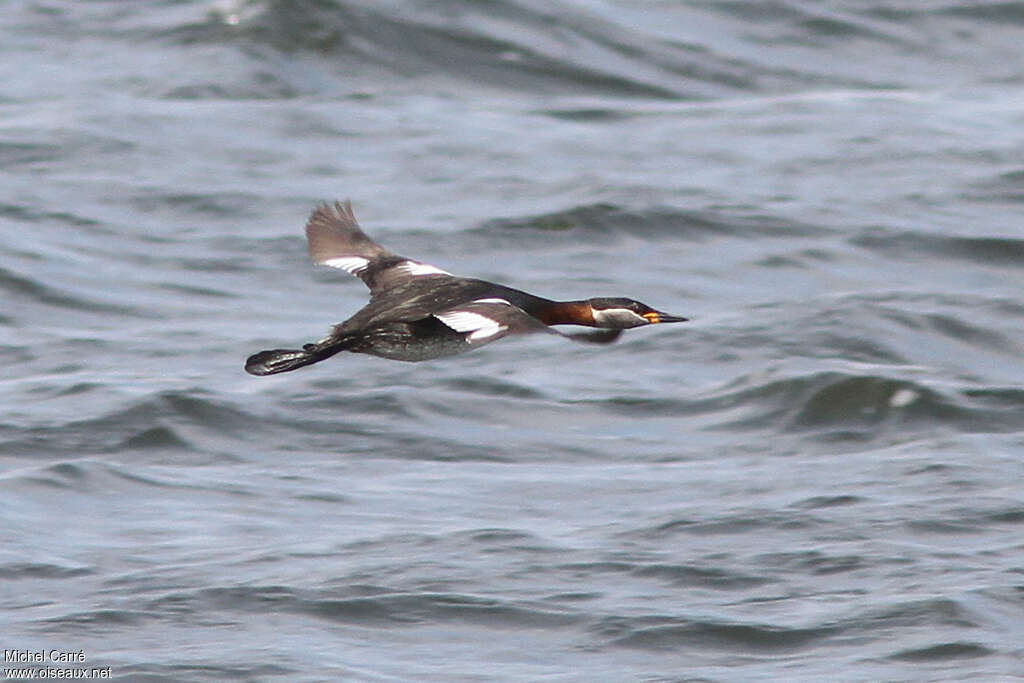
<point x="622" y="314"/>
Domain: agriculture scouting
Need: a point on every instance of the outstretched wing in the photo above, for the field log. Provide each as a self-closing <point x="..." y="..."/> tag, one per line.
<point x="485" y="320"/>
<point x="336" y="240"/>
<point x="595" y="337"/>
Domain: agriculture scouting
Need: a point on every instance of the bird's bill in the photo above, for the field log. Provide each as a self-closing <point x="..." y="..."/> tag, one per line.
<point x="656" y="317"/>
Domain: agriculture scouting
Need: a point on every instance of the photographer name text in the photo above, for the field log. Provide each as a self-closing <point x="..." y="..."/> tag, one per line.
<point x="44" y="656"/>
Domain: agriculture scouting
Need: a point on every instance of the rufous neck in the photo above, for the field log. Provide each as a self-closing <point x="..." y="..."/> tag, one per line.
<point x="567" y="313"/>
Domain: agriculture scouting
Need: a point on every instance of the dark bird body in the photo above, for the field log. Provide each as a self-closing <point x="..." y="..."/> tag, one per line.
<point x="420" y="312"/>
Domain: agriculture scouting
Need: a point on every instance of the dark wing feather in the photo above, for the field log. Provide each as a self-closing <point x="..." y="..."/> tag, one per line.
<point x="334" y="233"/>
<point x="595" y="337"/>
<point x="486" y="320"/>
<point x="335" y="239"/>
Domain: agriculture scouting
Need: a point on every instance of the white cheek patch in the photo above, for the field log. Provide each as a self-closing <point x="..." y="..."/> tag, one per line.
<point x="350" y="264"/>
<point x="618" y="318"/>
<point x="479" y="326"/>
<point x="417" y="268"/>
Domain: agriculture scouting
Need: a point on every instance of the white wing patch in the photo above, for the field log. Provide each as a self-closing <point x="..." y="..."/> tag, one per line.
<point x="350" y="264"/>
<point x="417" y="268"/>
<point x="479" y="326"/>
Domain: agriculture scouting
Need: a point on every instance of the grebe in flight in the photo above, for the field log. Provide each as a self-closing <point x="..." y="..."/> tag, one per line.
<point x="420" y="312"/>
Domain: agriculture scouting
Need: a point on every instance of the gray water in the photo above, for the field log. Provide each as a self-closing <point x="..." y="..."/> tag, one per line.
<point x="817" y="478"/>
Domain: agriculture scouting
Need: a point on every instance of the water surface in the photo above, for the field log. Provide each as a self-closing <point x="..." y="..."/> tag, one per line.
<point x="816" y="478"/>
